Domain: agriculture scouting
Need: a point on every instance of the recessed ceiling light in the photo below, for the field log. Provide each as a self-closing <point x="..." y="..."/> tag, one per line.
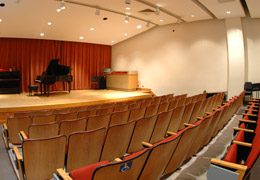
<point x="127" y="13"/>
<point x="127" y="8"/>
<point x="161" y="20"/>
<point x="49" y="23"/>
<point x="1" y="20"/>
<point x="125" y="34"/>
<point x="228" y="12"/>
<point x="139" y="26"/>
<point x="92" y="29"/>
<point x="112" y="41"/>
<point x="58" y="10"/>
<point x="192" y="15"/>
<point x="126" y="19"/>
<point x="42" y="34"/>
<point x="81" y="37"/>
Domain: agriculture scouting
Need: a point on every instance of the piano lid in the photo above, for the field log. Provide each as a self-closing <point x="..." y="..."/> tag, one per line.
<point x="55" y="69"/>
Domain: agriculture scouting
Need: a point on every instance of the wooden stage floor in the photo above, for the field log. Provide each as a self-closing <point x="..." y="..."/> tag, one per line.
<point x="23" y="102"/>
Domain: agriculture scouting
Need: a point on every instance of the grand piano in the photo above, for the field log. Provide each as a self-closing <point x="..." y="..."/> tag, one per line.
<point x="55" y="72"/>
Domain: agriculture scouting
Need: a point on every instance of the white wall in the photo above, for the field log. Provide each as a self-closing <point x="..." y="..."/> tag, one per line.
<point x="252" y="42"/>
<point x="189" y="60"/>
<point x="236" y="56"/>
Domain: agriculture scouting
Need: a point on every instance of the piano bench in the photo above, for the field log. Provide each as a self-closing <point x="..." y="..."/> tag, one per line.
<point x="32" y="88"/>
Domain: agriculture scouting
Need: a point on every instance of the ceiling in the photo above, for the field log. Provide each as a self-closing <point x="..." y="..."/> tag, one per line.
<point x="84" y="20"/>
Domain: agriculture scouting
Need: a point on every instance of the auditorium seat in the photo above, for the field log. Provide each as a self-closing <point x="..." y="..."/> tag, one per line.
<point x="117" y="141"/>
<point x="120" y="117"/>
<point x="41" y="131"/>
<point x="70" y="126"/>
<point x="42" y="119"/>
<point x="161" y="126"/>
<point x="97" y="122"/>
<point x="136" y="114"/>
<point x="104" y="111"/>
<point x="159" y="156"/>
<point x="120" y="107"/>
<point x="156" y="100"/>
<point x="66" y="116"/>
<point x="151" y="110"/>
<point x="176" y="117"/>
<point x="181" y="100"/>
<point x="86" y="113"/>
<point x="128" y="168"/>
<point x="186" y="115"/>
<point x="142" y="132"/>
<point x="13" y="128"/>
<point x="146" y="102"/>
<point x="40" y="158"/>
<point x="163" y="107"/>
<point x="195" y="112"/>
<point x="172" y="104"/>
<point x="84" y="148"/>
<point x="181" y="151"/>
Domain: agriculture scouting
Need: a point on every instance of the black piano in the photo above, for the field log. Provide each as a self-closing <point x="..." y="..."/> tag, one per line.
<point x="55" y="72"/>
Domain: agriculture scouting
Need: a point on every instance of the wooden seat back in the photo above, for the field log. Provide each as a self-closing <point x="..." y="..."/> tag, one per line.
<point x="163" y="107"/>
<point x="136" y="114"/>
<point x="195" y="112"/>
<point x="186" y="115"/>
<point x="119" y="118"/>
<point x="42" y="119"/>
<point x="84" y="148"/>
<point x="66" y="116"/>
<point x="42" y="157"/>
<point x="151" y="110"/>
<point x="97" y="122"/>
<point x="105" y="111"/>
<point x="142" y="132"/>
<point x="176" y="117"/>
<point x="41" y="131"/>
<point x="15" y="125"/>
<point x="87" y="113"/>
<point x="117" y="141"/>
<point x="71" y="126"/>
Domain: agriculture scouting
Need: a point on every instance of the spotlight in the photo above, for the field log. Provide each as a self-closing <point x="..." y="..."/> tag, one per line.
<point x="126" y="19"/>
<point x="62" y="5"/>
<point x="127" y="1"/>
<point x="97" y="12"/>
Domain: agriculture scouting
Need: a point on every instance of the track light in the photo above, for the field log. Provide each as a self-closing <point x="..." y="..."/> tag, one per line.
<point x="127" y="1"/>
<point x="126" y="19"/>
<point x="62" y="5"/>
<point x="97" y="12"/>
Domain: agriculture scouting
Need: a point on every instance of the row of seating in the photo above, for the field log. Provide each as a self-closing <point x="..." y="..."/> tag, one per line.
<point x="93" y="118"/>
<point x="243" y="150"/>
<point x="164" y="156"/>
<point x="131" y="134"/>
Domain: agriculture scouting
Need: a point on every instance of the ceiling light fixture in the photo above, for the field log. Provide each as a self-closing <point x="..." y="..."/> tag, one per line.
<point x="49" y="23"/>
<point x="92" y="29"/>
<point x="125" y="34"/>
<point x="81" y="37"/>
<point x="161" y="20"/>
<point x="97" y="12"/>
<point x="1" y="20"/>
<point x="127" y="1"/>
<point x="139" y="26"/>
<point x="62" y="5"/>
<point x="58" y="10"/>
<point x="112" y="41"/>
<point x="192" y="15"/>
<point x="228" y="12"/>
<point x="127" y="8"/>
<point x="126" y="19"/>
<point x="42" y="34"/>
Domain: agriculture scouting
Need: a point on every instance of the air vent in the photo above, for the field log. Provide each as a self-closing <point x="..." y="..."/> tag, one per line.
<point x="225" y="1"/>
<point x="147" y="11"/>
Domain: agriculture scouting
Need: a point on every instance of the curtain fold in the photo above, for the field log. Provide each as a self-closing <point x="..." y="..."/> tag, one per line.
<point x="32" y="56"/>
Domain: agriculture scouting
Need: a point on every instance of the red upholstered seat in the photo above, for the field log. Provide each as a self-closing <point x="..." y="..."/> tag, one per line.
<point x="240" y="136"/>
<point x="255" y="151"/>
<point x="85" y="173"/>
<point x="231" y="155"/>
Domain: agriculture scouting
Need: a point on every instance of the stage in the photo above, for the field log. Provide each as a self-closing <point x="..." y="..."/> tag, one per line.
<point x="22" y="102"/>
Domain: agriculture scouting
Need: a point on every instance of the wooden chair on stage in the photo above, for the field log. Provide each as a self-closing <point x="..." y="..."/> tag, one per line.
<point x="161" y="126"/>
<point x="117" y="141"/>
<point x="127" y="168"/>
<point x="40" y="158"/>
<point x="84" y="148"/>
<point x="142" y="132"/>
<point x="120" y="117"/>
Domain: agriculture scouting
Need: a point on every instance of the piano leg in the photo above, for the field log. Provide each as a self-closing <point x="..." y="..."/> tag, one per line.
<point x="63" y="85"/>
<point x="69" y="83"/>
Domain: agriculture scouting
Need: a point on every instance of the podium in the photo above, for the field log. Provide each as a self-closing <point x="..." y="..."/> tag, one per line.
<point x="122" y="80"/>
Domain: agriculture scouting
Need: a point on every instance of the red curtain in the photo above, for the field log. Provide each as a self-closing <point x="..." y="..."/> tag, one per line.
<point x="31" y="57"/>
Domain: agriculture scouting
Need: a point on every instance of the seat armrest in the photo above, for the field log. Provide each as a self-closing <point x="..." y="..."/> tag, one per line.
<point x="247" y="121"/>
<point x="19" y="158"/>
<point x="118" y="160"/>
<point x="5" y="127"/>
<point x="146" y="144"/>
<point x="247" y="114"/>
<point x="254" y="110"/>
<point x="243" y="129"/>
<point x="169" y="133"/>
<point x="63" y="174"/>
<point x="188" y="125"/>
<point x="23" y="135"/>
<point x="242" y="143"/>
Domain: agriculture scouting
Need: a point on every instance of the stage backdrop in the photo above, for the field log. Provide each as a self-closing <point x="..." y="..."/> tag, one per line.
<point x="31" y="57"/>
